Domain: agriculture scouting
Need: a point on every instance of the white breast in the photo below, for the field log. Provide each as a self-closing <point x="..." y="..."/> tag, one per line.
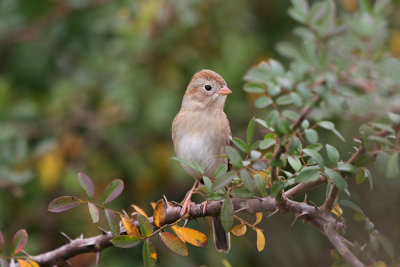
<point x="198" y="146"/>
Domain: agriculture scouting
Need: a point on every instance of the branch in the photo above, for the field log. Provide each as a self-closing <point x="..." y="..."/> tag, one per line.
<point x="318" y="217"/>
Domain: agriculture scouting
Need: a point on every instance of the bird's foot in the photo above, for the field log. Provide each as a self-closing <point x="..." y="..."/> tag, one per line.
<point x="187" y="202"/>
<point x="204" y="206"/>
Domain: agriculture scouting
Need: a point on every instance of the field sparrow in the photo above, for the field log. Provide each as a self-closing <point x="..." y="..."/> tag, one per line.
<point x="201" y="132"/>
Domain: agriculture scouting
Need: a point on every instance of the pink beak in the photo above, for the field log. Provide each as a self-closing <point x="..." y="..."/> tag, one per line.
<point x="224" y="91"/>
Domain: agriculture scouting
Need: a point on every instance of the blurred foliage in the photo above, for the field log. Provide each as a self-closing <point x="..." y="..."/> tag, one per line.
<point x="94" y="85"/>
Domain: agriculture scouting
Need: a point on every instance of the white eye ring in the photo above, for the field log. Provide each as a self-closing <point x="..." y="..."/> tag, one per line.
<point x="208" y="87"/>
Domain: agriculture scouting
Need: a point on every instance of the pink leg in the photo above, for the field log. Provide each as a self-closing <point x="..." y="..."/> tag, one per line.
<point x="205" y="206"/>
<point x="187" y="202"/>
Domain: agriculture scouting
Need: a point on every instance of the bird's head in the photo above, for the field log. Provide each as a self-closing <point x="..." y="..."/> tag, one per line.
<point x="206" y="90"/>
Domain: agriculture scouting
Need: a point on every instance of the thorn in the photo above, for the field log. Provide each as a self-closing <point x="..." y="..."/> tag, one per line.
<point x="177" y="203"/>
<point x="273" y="213"/>
<point x="81" y="236"/>
<point x="185" y="223"/>
<point x="97" y="258"/>
<point x="305" y="198"/>
<point x="298" y="216"/>
<point x="241" y="209"/>
<point x="166" y="201"/>
<point x="25" y="253"/>
<point x="104" y="232"/>
<point x="68" y="262"/>
<point x="126" y="214"/>
<point x="65" y="235"/>
<point x="315" y="205"/>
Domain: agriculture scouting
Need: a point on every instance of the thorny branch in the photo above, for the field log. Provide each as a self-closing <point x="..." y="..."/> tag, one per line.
<point x="318" y="217"/>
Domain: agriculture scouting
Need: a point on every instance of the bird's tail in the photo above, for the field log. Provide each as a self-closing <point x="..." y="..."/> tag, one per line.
<point x="221" y="238"/>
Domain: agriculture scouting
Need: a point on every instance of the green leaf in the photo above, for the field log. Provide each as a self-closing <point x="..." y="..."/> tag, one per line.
<point x="315" y="156"/>
<point x="144" y="225"/>
<point x="239" y="143"/>
<point x="392" y="170"/>
<point x="311" y="136"/>
<point x="149" y="254"/>
<point x="87" y="184"/>
<point x="112" y="222"/>
<point x="199" y="167"/>
<point x="247" y="180"/>
<point x="295" y="163"/>
<point x="222" y="169"/>
<point x="250" y="131"/>
<point x="227" y="214"/>
<point x="362" y="174"/>
<point x="272" y="118"/>
<point x="254" y="88"/>
<point x="333" y="154"/>
<point x="64" y="203"/>
<point x="113" y="190"/>
<point x="276" y="188"/>
<point x="331" y="127"/>
<point x="242" y="193"/>
<point x="261" y="185"/>
<point x="263" y="102"/>
<point x="307" y="175"/>
<point x="19" y="241"/>
<point x="346" y="167"/>
<point x="223" y="180"/>
<point x="295" y="146"/>
<point x="125" y="241"/>
<point x="284" y="100"/>
<point x="267" y="143"/>
<point x="263" y="123"/>
<point x="351" y="205"/>
<point x="382" y="126"/>
<point x="234" y="157"/>
<point x="290" y="114"/>
<point x="282" y="126"/>
<point x="94" y="212"/>
<point x="336" y="178"/>
<point x="174" y="243"/>
<point x="395" y="118"/>
<point x="185" y="162"/>
<point x="381" y="140"/>
<point x="3" y="263"/>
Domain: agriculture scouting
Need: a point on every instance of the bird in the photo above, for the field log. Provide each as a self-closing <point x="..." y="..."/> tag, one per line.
<point x="201" y="132"/>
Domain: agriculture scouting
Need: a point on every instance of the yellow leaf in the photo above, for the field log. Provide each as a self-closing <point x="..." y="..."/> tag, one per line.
<point x="337" y="210"/>
<point x="192" y="236"/>
<point x="378" y="264"/>
<point x="49" y="167"/>
<point x="239" y="230"/>
<point x="139" y="210"/>
<point x="176" y="230"/>
<point x="24" y="263"/>
<point x="130" y="227"/>
<point x="260" y="240"/>
<point x="33" y="263"/>
<point x="395" y="43"/>
<point x="159" y="213"/>
<point x="258" y="218"/>
<point x="349" y="5"/>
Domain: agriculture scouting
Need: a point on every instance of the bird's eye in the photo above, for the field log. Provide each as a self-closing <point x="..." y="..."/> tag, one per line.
<point x="208" y="87"/>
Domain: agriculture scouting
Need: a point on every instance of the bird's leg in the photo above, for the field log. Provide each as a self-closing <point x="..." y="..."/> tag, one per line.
<point x="204" y="206"/>
<point x="187" y="202"/>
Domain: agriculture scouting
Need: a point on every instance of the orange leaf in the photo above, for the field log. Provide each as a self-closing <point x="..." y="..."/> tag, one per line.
<point x="24" y="263"/>
<point x="239" y="230"/>
<point x="139" y="210"/>
<point x="159" y="213"/>
<point x="337" y="210"/>
<point x="260" y="240"/>
<point x="378" y="264"/>
<point x="192" y="236"/>
<point x="174" y="243"/>
<point x="33" y="263"/>
<point x="130" y="227"/>
<point x="153" y="205"/>
<point x="258" y="218"/>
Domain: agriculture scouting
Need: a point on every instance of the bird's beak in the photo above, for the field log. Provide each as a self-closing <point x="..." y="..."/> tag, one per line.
<point x="224" y="91"/>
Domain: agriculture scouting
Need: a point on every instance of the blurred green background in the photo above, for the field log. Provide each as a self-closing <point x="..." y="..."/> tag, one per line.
<point x="93" y="86"/>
